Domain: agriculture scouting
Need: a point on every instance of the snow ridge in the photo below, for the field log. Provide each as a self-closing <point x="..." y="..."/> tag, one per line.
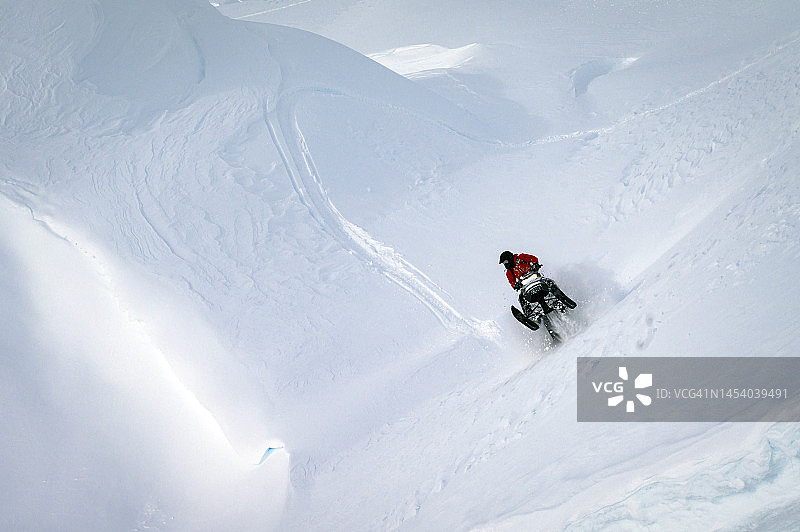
<point x="636" y="115"/>
<point x="713" y="496"/>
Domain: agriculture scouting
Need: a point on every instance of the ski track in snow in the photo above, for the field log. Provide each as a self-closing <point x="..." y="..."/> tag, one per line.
<point x="309" y="186"/>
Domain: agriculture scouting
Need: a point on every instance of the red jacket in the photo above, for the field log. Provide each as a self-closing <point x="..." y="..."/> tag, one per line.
<point x="522" y="265"/>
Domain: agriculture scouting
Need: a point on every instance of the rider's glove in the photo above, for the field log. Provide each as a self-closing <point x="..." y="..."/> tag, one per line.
<point x="536" y="267"/>
<point x="517" y="285"/>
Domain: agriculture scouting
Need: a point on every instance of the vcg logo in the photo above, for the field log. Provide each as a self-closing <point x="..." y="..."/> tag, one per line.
<point x="644" y="380"/>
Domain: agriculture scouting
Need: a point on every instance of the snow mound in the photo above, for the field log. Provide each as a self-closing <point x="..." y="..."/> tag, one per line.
<point x="584" y="74"/>
<point x="416" y="60"/>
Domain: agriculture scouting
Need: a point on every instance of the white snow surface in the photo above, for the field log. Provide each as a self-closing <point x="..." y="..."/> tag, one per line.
<point x="250" y="274"/>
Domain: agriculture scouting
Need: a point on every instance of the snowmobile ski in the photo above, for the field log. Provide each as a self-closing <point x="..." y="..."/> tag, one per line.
<point x="532" y="325"/>
<point x="567" y="301"/>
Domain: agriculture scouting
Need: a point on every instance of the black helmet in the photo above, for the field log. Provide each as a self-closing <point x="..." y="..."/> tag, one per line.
<point x="507" y="258"/>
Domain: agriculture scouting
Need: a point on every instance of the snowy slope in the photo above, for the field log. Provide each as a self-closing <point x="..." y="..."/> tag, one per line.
<point x="209" y="237"/>
<point x="222" y="237"/>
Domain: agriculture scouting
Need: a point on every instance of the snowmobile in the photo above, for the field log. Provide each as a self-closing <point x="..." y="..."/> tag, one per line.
<point x="538" y="297"/>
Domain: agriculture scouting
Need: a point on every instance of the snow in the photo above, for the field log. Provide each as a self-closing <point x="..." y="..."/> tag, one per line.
<point x="250" y="277"/>
<point x="421" y="59"/>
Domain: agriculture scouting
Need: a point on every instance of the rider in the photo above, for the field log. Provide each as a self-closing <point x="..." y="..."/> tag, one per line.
<point x="519" y="267"/>
<point x="522" y="270"/>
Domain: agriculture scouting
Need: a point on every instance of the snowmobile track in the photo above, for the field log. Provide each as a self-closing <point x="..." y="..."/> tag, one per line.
<point x="309" y="186"/>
